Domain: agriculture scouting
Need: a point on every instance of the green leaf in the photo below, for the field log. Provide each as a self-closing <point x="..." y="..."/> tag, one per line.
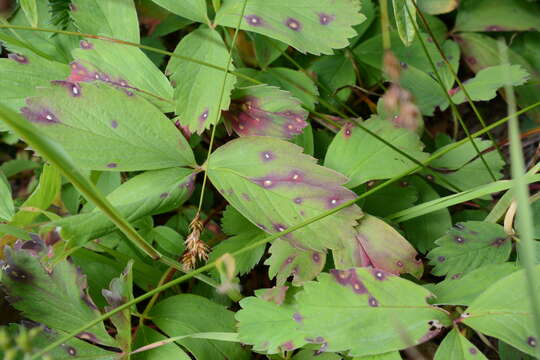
<point x="116" y="19"/>
<point x="456" y="347"/>
<point x="468" y="246"/>
<point x="335" y="73"/>
<point x="314" y="355"/>
<point x="463" y="168"/>
<point x="188" y="314"/>
<point x="269" y="327"/>
<point x="394" y="355"/>
<point x="275" y="186"/>
<point x="504" y="311"/>
<point x="507" y="352"/>
<point x="150" y="193"/>
<point x="197" y="94"/>
<point x="487" y="81"/>
<point x="190" y="9"/>
<point x="120" y="292"/>
<point x="43" y="196"/>
<point x="56" y="297"/>
<point x="464" y="290"/>
<point x="379" y="245"/>
<point x="168" y="240"/>
<point x="296" y="82"/>
<point x="286" y="260"/>
<point x="358" y="155"/>
<point x="266" y="111"/>
<point x="30" y="10"/>
<point x="103" y="128"/>
<point x="147" y="335"/>
<point x="422" y="231"/>
<point x="22" y="74"/>
<point x="498" y="15"/>
<point x="435" y="7"/>
<point x="307" y="26"/>
<point x="266" y="50"/>
<point x="404" y="10"/>
<point x="367" y="311"/>
<point x="390" y="199"/>
<point x="125" y="67"/>
<point x="7" y="209"/>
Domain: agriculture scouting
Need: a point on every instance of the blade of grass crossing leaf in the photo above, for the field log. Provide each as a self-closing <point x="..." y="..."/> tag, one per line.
<point x="256" y="244"/>
<point x="526" y="246"/>
<point x="57" y="156"/>
<point x="450" y="100"/>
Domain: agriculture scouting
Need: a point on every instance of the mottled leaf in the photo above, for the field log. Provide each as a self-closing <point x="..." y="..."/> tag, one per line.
<point x="116" y="19"/>
<point x="56" y="297"/>
<point x="150" y="193"/>
<point x="103" y="128"/>
<point x="189" y="314"/>
<point x="125" y="67"/>
<point x="503" y="311"/>
<point x="197" y="87"/>
<point x="498" y="15"/>
<point x="463" y="291"/>
<point x="405" y="16"/>
<point x="275" y="186"/>
<point x="362" y="157"/>
<point x="367" y="311"/>
<point x="379" y="245"/>
<point x="313" y="27"/>
<point x="456" y="347"/>
<point x="286" y="261"/>
<point x="7" y="209"/>
<point x="189" y="9"/>
<point x="266" y="111"/>
<point x="468" y="246"/>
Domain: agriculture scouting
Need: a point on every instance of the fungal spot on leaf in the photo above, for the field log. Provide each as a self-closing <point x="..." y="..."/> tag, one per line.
<point x="288" y="346"/>
<point x="441" y="259"/>
<point x="129" y="92"/>
<point x="71" y="351"/>
<point x="473" y="351"/>
<point x="297" y="317"/>
<point x="403" y="65"/>
<point x="164" y="195"/>
<point x="495" y="28"/>
<point x="332" y="202"/>
<point x="280" y="227"/>
<point x="112" y="165"/>
<point x="21" y="59"/>
<point x="114" y="124"/>
<point x="87" y="336"/>
<point x="16" y="273"/>
<point x="254" y="20"/>
<point x="322" y="349"/>
<point x="531" y="341"/>
<point x="373" y="302"/>
<point x="471" y="60"/>
<point x="246" y="197"/>
<point x="261" y="226"/>
<point x="204" y="116"/>
<point x="316" y="257"/>
<point x="74" y="89"/>
<point x="399" y="263"/>
<point x="267" y="156"/>
<point x="378" y="274"/>
<point x="86" y="45"/>
<point x="498" y="242"/>
<point x="455" y="276"/>
<point x="297" y="200"/>
<point x="325" y="19"/>
<point x="429" y="177"/>
<point x="293" y="24"/>
<point x="41" y="116"/>
<point x="459" y="239"/>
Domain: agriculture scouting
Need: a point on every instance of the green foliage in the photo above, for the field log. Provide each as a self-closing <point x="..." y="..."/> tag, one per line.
<point x="456" y="347"/>
<point x="7" y="209"/>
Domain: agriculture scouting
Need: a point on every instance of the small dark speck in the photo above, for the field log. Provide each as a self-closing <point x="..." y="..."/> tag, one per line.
<point x="441" y="258"/>
<point x="254" y="20"/>
<point x="114" y="124"/>
<point x="71" y="351"/>
<point x="473" y="351"/>
<point x="325" y="19"/>
<point x="112" y="165"/>
<point x="373" y="302"/>
<point x="531" y="341"/>
<point x="164" y="195"/>
<point x="293" y="24"/>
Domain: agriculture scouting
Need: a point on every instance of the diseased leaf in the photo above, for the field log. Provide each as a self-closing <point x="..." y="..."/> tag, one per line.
<point x="55" y="297"/>
<point x="189" y="314"/>
<point x="189" y="9"/>
<point x="116" y="19"/>
<point x="124" y="67"/>
<point x="362" y="157"/>
<point x="313" y="27"/>
<point x="498" y="15"/>
<point x="485" y="84"/>
<point x="456" y="347"/>
<point x="150" y="193"/>
<point x="103" y="128"/>
<point x="503" y="311"/>
<point x="379" y="245"/>
<point x="275" y="186"/>
<point x="269" y="327"/>
<point x="22" y="74"/>
<point x="120" y="292"/>
<point x="266" y="111"/>
<point x="464" y="290"/>
<point x="405" y="15"/>
<point x="198" y="88"/>
<point x="7" y="209"/>
<point x="366" y="311"/>
<point x="146" y="335"/>
<point x="286" y="260"/>
<point x="468" y="246"/>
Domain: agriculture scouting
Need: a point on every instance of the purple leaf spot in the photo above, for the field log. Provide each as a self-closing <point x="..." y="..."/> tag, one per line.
<point x="357" y="285"/>
<point x="293" y="24"/>
<point x="378" y="274"/>
<point x="459" y="239"/>
<point x="246" y="197"/>
<point x="373" y="302"/>
<point x="114" y="124"/>
<point x="21" y="59"/>
<point x="164" y="195"/>
<point x="297" y="317"/>
<point x="254" y="20"/>
<point x="288" y="346"/>
<point x="280" y="227"/>
<point x="129" y="92"/>
<point x="267" y="156"/>
<point x="495" y="28"/>
<point x="204" y="116"/>
<point x="42" y="116"/>
<point x="297" y="200"/>
<point x="16" y="273"/>
<point x="531" y="341"/>
<point x="342" y="277"/>
<point x="296" y="176"/>
<point x="325" y="19"/>
<point x="261" y="226"/>
<point x="399" y="263"/>
<point x="71" y="351"/>
<point x="86" y="45"/>
<point x="455" y="276"/>
<point x="112" y="165"/>
<point x="348" y="130"/>
<point x="473" y="351"/>
<point x="441" y="259"/>
<point x="498" y="242"/>
<point x="471" y="60"/>
<point x="332" y="202"/>
<point x="316" y="257"/>
<point x="74" y="89"/>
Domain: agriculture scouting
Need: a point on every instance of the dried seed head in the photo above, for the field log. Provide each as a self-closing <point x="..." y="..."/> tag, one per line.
<point x="196" y="249"/>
